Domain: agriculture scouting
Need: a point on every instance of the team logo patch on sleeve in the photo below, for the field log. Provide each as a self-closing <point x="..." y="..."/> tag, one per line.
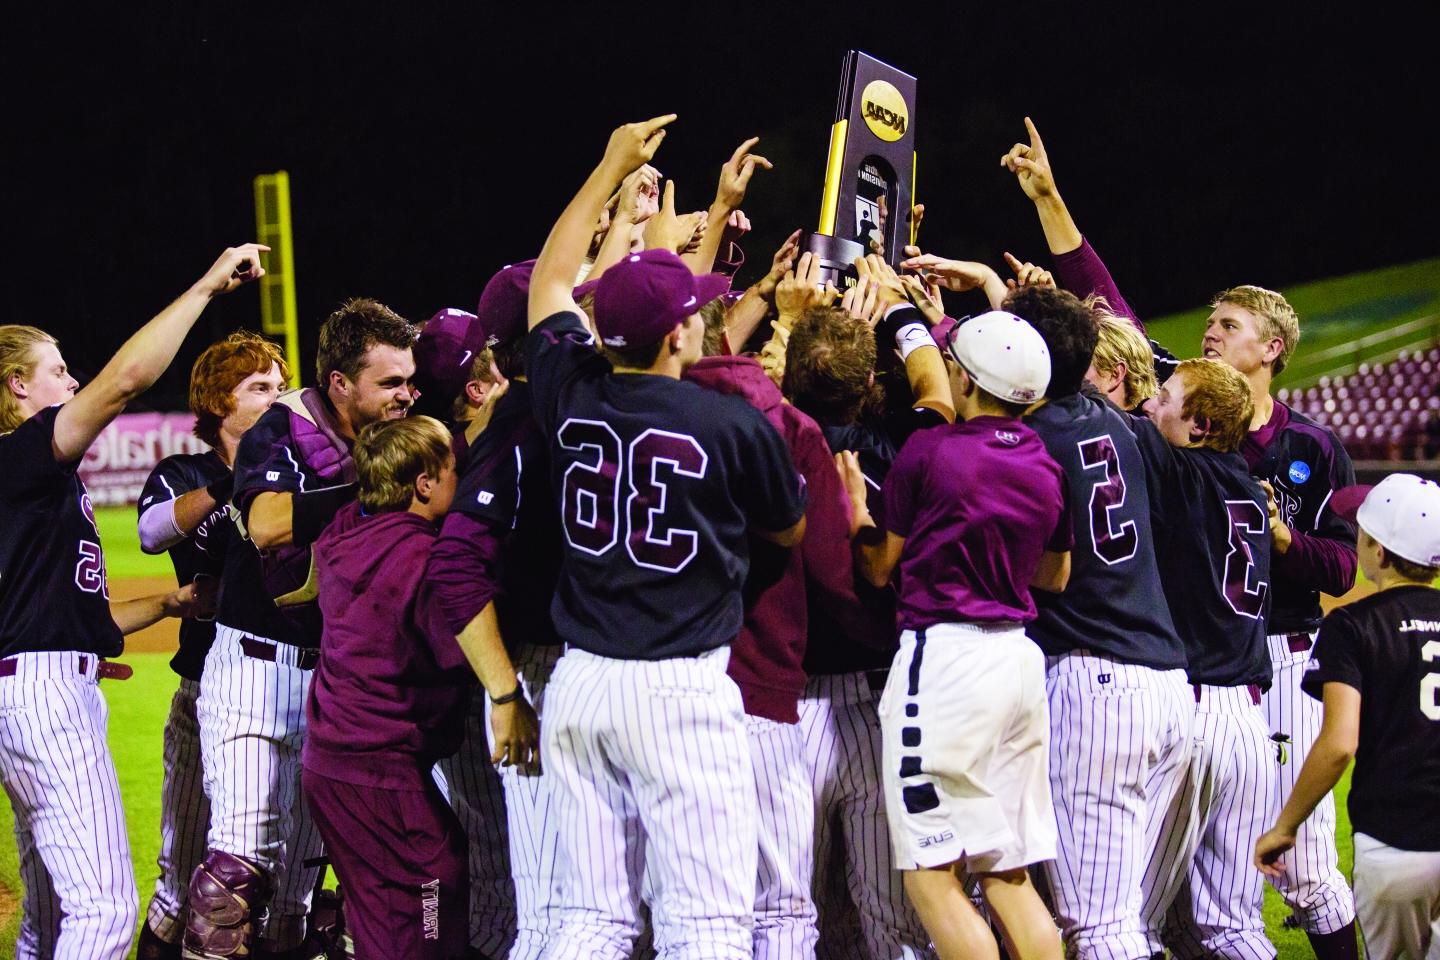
<point x="1008" y="437"/>
<point x="1299" y="471"/>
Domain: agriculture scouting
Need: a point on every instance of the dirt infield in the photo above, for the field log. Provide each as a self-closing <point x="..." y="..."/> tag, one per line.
<point x="163" y="637"/>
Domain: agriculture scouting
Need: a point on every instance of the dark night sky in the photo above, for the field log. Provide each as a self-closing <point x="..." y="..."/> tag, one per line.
<point x="430" y="143"/>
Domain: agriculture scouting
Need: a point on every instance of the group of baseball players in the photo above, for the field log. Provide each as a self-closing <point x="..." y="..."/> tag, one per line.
<point x="806" y="624"/>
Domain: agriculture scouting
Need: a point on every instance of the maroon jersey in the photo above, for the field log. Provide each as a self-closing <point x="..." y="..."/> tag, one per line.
<point x="978" y="503"/>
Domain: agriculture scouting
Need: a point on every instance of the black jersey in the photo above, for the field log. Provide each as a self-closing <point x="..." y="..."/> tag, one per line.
<point x="1387" y="646"/>
<point x="1114" y="603"/>
<point x="1305" y="463"/>
<point x="840" y="641"/>
<point x="270" y="460"/>
<point x="657" y="481"/>
<point x="201" y="553"/>
<point x="53" y="593"/>
<point x="1212" y="541"/>
<point x="506" y="485"/>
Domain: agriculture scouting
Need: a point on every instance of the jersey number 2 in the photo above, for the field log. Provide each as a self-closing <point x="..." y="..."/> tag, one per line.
<point x="590" y="497"/>
<point x="90" y="569"/>
<point x="1113" y="544"/>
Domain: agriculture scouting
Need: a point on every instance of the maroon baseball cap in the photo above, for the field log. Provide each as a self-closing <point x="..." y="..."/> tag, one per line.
<point x="448" y="343"/>
<point x="505" y="303"/>
<point x="644" y="296"/>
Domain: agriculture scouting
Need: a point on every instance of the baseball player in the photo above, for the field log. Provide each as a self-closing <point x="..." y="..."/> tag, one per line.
<point x="644" y="731"/>
<point x="1214" y="554"/>
<point x="1120" y="708"/>
<point x="826" y="369"/>
<point x="497" y="561"/>
<point x="445" y="356"/>
<point x="1300" y="464"/>
<point x="293" y="471"/>
<point x="57" y="626"/>
<point x="1374" y="667"/>
<point x="182" y="510"/>
<point x="975" y="515"/>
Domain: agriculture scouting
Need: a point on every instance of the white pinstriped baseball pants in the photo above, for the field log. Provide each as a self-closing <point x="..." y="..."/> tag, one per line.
<point x="184" y="815"/>
<point x="1219" y="912"/>
<point x="784" y="911"/>
<point x="252" y="728"/>
<point x="863" y="913"/>
<point x="471" y="785"/>
<point x="651" y="769"/>
<point x="80" y="901"/>
<point x="1313" y="886"/>
<point x="1120" y="739"/>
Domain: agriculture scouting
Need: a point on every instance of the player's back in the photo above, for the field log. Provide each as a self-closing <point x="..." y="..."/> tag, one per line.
<point x="978" y="502"/>
<point x="1213" y="548"/>
<point x="1387" y="646"/>
<point x="657" y="482"/>
<point x="1114" y="603"/>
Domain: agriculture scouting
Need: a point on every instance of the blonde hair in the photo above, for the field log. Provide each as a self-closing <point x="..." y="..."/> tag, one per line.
<point x="479" y="373"/>
<point x="391" y="454"/>
<point x="1219" y="394"/>
<point x="1121" y="342"/>
<point x="17" y="359"/>
<point x="1277" y="318"/>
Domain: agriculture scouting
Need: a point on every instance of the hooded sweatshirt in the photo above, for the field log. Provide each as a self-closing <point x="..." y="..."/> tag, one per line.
<point x="766" y="658"/>
<point x="388" y="698"/>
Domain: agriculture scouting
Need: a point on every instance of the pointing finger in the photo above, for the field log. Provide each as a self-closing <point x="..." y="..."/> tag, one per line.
<point x="743" y="149"/>
<point x="1035" y="140"/>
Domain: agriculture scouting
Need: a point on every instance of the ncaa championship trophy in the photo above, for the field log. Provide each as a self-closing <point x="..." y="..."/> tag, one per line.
<point x="870" y="176"/>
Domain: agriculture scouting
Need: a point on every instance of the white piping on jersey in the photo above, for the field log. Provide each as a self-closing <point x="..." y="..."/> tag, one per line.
<point x="871" y="482"/>
<point x="519" y="472"/>
<point x="168" y="489"/>
<point x="1328" y="494"/>
<point x="298" y="475"/>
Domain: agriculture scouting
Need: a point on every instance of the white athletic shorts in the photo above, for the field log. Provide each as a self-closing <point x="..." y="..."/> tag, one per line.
<point x="967" y="741"/>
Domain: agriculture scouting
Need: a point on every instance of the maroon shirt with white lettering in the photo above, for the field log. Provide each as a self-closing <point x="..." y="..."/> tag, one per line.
<point x="977" y="502"/>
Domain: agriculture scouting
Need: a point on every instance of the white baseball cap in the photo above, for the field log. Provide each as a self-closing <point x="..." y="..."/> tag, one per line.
<point x="1003" y="354"/>
<point x="1402" y="512"/>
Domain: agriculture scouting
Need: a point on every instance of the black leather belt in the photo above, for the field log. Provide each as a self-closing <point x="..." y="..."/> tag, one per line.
<point x="305" y="658"/>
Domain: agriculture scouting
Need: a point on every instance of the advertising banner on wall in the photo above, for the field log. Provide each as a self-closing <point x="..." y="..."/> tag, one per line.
<point x="117" y="463"/>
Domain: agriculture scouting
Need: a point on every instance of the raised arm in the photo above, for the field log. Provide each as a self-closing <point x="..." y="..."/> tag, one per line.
<point x="742" y="320"/>
<point x="903" y="326"/>
<point x="143" y="358"/>
<point x="553" y="279"/>
<point x="734" y="179"/>
<point x="1031" y="166"/>
<point x="637" y="202"/>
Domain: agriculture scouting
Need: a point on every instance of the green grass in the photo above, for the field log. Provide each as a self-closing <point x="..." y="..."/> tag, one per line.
<point x="1332" y="312"/>
<point x="123" y="557"/>
<point x="138" y="708"/>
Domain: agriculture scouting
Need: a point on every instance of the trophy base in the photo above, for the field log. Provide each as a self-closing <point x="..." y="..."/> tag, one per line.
<point x="837" y="258"/>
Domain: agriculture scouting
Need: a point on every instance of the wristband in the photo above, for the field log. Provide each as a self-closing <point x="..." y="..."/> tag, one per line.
<point x="221" y="489"/>
<point x="895" y="327"/>
<point x="311" y="512"/>
<point x="912" y="337"/>
<point x="510" y="697"/>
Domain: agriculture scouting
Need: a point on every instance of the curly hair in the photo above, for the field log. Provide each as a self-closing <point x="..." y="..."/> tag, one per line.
<point x="391" y="454"/>
<point x="1069" y="329"/>
<point x="1277" y="318"/>
<point x="348" y="334"/>
<point x="1220" y="395"/>
<point x="17" y="359"/>
<point x="830" y="366"/>
<point x="219" y="370"/>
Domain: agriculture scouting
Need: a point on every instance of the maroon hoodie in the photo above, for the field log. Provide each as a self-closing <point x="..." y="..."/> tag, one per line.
<point x="765" y="659"/>
<point x="388" y="698"/>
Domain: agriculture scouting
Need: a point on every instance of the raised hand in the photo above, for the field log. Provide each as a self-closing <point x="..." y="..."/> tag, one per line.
<point x="957" y="275"/>
<point x="634" y="144"/>
<point x="736" y="173"/>
<point x="1031" y="165"/>
<point x="639" y="196"/>
<point x="1027" y="274"/>
<point x="736" y="226"/>
<point x="925" y="297"/>
<point x="780" y="265"/>
<point x="235" y="267"/>
<point x="889" y="291"/>
<point x="667" y="231"/>
<point x="800" y="290"/>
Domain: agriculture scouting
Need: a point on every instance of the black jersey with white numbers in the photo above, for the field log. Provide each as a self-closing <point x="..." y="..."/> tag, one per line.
<point x="658" y="481"/>
<point x="1387" y="646"/>
<point x="53" y="592"/>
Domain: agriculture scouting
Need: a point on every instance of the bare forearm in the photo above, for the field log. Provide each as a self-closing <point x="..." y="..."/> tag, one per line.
<point x="137" y="614"/>
<point x="745" y="318"/>
<point x="703" y="259"/>
<point x="554" y="273"/>
<point x="615" y="245"/>
<point x="1061" y="234"/>
<point x="1323" y="768"/>
<point x="484" y="648"/>
<point x="270" y="520"/>
<point x="929" y="383"/>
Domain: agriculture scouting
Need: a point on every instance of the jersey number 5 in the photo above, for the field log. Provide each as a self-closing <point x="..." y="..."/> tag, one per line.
<point x="1113" y="543"/>
<point x="1244" y="591"/>
<point x="590" y="495"/>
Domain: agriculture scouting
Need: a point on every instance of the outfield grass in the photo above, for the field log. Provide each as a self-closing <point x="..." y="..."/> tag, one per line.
<point x="138" y="707"/>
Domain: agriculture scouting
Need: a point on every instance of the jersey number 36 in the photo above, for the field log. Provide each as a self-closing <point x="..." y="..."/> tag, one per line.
<point x="649" y="465"/>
